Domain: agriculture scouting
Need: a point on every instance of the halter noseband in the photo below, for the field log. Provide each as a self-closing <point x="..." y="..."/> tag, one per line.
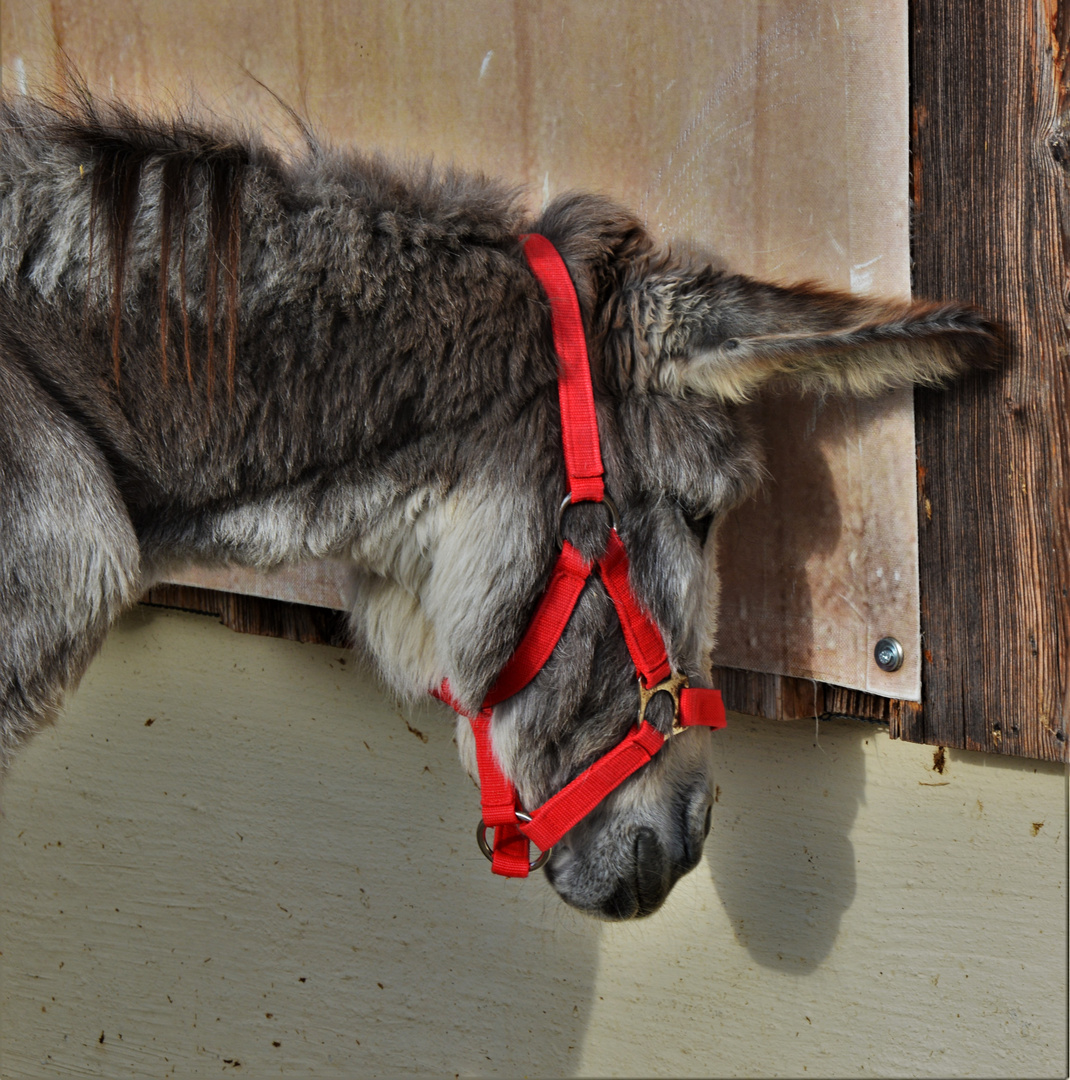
<point x="514" y="828"/>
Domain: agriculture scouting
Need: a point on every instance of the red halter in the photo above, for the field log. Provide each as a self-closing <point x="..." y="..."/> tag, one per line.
<point x="514" y="828"/>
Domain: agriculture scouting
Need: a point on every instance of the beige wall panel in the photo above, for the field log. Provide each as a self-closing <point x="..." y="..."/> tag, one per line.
<point x="280" y="870"/>
<point x="770" y="135"/>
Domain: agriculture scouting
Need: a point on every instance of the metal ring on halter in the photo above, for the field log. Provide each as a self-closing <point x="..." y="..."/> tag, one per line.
<point x="606" y="501"/>
<point x="481" y="839"/>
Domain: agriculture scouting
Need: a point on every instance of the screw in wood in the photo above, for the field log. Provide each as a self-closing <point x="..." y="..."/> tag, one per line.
<point x="888" y="653"/>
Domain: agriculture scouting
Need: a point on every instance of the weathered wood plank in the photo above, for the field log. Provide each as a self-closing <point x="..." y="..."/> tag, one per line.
<point x="991" y="156"/>
<point x="776" y="697"/>
<point x="781" y="697"/>
<point x="991" y="144"/>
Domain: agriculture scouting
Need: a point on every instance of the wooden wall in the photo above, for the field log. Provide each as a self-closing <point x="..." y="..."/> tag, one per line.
<point x="990" y="152"/>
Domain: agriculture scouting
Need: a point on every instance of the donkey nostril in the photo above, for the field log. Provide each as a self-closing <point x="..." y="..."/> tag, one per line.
<point x="651" y="871"/>
<point x="649" y="855"/>
<point x="695" y="829"/>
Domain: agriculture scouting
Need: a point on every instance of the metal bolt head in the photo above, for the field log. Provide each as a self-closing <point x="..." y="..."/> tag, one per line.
<point x="888" y="653"/>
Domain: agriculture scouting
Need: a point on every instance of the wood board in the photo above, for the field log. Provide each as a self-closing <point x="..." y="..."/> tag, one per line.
<point x="770" y="136"/>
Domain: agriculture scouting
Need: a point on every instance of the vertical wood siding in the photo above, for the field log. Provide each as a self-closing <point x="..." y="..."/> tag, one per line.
<point x="991" y="149"/>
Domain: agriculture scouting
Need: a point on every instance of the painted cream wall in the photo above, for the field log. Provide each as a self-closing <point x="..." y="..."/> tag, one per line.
<point x="279" y="870"/>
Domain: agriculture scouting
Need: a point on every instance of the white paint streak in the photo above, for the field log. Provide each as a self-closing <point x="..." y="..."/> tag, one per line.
<point x="486" y="64"/>
<point x="852" y="605"/>
<point x="836" y="245"/>
<point x="862" y="275"/>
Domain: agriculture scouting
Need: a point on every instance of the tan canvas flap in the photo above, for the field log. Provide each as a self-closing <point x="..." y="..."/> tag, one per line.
<point x="770" y="135"/>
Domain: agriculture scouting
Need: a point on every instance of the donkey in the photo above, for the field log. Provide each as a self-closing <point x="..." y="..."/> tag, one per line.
<point x="214" y="352"/>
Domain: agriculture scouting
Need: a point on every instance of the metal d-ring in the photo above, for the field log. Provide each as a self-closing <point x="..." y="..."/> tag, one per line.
<point x="606" y="501"/>
<point x="481" y="839"/>
<point x="671" y="686"/>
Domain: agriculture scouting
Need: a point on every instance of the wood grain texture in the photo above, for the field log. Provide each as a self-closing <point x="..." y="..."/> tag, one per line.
<point x="256" y="615"/>
<point x="770" y="136"/>
<point x="991" y="145"/>
<point x="781" y="697"/>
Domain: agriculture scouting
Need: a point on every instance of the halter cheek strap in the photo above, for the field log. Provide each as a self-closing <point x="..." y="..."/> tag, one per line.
<point x="514" y="828"/>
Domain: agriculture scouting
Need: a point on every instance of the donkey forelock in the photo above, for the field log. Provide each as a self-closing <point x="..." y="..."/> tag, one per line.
<point x="213" y="351"/>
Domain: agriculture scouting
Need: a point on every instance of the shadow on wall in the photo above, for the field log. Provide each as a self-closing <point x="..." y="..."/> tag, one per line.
<point x="780" y="855"/>
<point x="780" y="852"/>
<point x="789" y="605"/>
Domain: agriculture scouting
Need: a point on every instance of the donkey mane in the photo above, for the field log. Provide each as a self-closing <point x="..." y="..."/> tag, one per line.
<point x="166" y="237"/>
<point x="118" y="147"/>
<point x="171" y="166"/>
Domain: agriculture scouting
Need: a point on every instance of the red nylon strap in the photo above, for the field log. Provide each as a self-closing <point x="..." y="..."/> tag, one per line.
<point x="547" y="625"/>
<point x="498" y="799"/>
<point x="512" y="852"/>
<point x="497" y="795"/>
<point x="573" y="803"/>
<point x="579" y="423"/>
<point x="701" y="708"/>
<point x="644" y="640"/>
<point x="698" y="707"/>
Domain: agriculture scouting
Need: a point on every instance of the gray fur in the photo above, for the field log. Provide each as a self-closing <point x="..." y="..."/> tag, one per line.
<point x="212" y="352"/>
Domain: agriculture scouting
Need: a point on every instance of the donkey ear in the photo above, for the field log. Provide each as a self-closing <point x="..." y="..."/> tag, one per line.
<point x="726" y="336"/>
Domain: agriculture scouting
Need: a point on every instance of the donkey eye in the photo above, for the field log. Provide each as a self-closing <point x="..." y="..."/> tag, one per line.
<point x="699" y="526"/>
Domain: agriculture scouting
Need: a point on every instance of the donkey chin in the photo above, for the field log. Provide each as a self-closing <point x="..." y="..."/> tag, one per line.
<point x="623" y="859"/>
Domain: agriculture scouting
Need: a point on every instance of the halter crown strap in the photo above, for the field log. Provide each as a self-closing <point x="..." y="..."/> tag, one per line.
<point x="579" y="423"/>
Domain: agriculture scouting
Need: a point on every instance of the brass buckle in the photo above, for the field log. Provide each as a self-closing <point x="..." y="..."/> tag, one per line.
<point x="672" y="686"/>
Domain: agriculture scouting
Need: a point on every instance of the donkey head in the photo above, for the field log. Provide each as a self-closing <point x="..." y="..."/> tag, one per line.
<point x="674" y="347"/>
